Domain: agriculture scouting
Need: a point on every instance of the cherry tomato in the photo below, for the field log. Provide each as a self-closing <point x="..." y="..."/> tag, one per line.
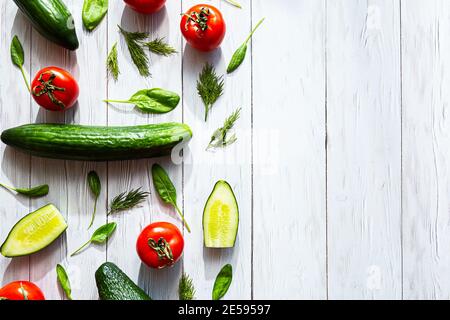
<point x="203" y="27"/>
<point x="146" y="6"/>
<point x="160" y="245"/>
<point x="55" y="89"/>
<point x="21" y="290"/>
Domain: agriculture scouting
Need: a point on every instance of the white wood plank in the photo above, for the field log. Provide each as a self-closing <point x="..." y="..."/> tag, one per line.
<point x="166" y="73"/>
<point x="289" y="218"/>
<point x="53" y="172"/>
<point x="426" y="147"/>
<point x="90" y="71"/>
<point x="233" y="164"/>
<point x="14" y="110"/>
<point x="364" y="159"/>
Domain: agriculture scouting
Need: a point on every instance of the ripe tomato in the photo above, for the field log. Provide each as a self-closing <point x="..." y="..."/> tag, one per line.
<point x="21" y="290"/>
<point x="203" y="27"/>
<point x="146" y="6"/>
<point x="160" y="245"/>
<point x="55" y="89"/>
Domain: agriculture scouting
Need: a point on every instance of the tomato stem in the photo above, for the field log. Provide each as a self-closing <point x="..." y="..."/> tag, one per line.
<point x="162" y="248"/>
<point x="47" y="88"/>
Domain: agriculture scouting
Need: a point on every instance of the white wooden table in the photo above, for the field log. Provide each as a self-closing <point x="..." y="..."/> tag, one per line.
<point x="341" y="168"/>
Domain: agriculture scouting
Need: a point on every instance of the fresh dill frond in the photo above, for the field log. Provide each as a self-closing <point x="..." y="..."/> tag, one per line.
<point x="186" y="290"/>
<point x="125" y="201"/>
<point x="113" y="63"/>
<point x="220" y="137"/>
<point x="135" y="42"/>
<point x="210" y="87"/>
<point x="158" y="46"/>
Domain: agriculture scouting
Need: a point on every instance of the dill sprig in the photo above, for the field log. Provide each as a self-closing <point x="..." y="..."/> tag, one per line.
<point x="125" y="201"/>
<point x="210" y="87"/>
<point x="113" y="63"/>
<point x="220" y="137"/>
<point x="186" y="290"/>
<point x="158" y="46"/>
<point x="135" y="42"/>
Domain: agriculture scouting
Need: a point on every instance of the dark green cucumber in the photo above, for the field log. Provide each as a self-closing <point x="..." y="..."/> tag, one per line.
<point x="86" y="143"/>
<point x="114" y="284"/>
<point x="52" y="19"/>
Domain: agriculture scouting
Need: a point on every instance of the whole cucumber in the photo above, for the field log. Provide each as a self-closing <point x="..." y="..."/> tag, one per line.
<point x="88" y="143"/>
<point x="52" y="19"/>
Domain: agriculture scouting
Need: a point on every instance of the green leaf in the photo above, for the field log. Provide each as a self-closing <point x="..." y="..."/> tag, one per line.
<point x="152" y="100"/>
<point x="35" y="192"/>
<point x="166" y="189"/>
<point x="94" y="183"/>
<point x="239" y="55"/>
<point x="223" y="282"/>
<point x="17" y="54"/>
<point x="96" y="187"/>
<point x="102" y="234"/>
<point x="64" y="281"/>
<point x="186" y="290"/>
<point x="93" y="13"/>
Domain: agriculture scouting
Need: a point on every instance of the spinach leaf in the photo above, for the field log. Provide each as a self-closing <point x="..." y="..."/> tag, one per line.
<point x="166" y="190"/>
<point x="100" y="236"/>
<point x="223" y="282"/>
<point x="152" y="100"/>
<point x="18" y="57"/>
<point x="34" y="192"/>
<point x="64" y="281"/>
<point x="96" y="187"/>
<point x="93" y="13"/>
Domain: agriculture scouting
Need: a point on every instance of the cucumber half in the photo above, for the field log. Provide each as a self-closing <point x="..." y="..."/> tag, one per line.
<point x="34" y="232"/>
<point x="221" y="217"/>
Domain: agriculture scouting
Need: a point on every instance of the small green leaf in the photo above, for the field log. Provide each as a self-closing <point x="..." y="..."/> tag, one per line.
<point x="152" y="100"/>
<point x="239" y="55"/>
<point x="100" y="236"/>
<point x="17" y="54"/>
<point x="103" y="233"/>
<point x="64" y="281"/>
<point x="223" y="282"/>
<point x="96" y="187"/>
<point x="166" y="189"/>
<point x="93" y="13"/>
<point x="35" y="192"/>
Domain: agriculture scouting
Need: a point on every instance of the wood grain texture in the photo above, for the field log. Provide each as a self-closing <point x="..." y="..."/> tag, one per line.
<point x="233" y="164"/>
<point x="426" y="72"/>
<point x="289" y="219"/>
<point x="364" y="150"/>
<point x="14" y="110"/>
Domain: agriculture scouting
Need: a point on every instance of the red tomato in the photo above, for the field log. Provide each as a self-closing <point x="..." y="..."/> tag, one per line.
<point x="146" y="6"/>
<point x="21" y="290"/>
<point x="203" y="27"/>
<point x="55" y="89"/>
<point x="160" y="245"/>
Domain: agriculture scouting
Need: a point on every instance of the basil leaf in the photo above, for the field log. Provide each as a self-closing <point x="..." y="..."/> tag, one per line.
<point x="239" y="55"/>
<point x="34" y="192"/>
<point x="166" y="190"/>
<point x="93" y="13"/>
<point x="223" y="282"/>
<point x="17" y="54"/>
<point x="64" y="281"/>
<point x="153" y="100"/>
<point x="104" y="232"/>
<point x="96" y="187"/>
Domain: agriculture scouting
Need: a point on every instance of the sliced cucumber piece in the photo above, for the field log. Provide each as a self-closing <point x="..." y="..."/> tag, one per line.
<point x="34" y="232"/>
<point x="221" y="217"/>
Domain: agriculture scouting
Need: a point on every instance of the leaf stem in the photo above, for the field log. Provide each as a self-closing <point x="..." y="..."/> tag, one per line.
<point x="182" y="218"/>
<point x="254" y="29"/>
<point x="81" y="248"/>
<point x="93" y="214"/>
<point x="118" y="101"/>
<point x="25" y="78"/>
<point x="7" y="187"/>
<point x="234" y="3"/>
